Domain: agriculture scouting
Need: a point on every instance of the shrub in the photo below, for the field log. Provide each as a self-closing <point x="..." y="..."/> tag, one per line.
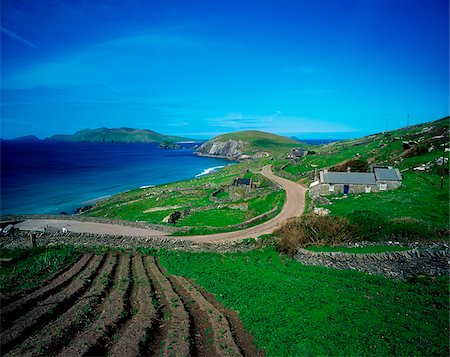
<point x="355" y="165"/>
<point x="313" y="230"/>
<point x="409" y="230"/>
<point x="416" y="150"/>
<point x="367" y="224"/>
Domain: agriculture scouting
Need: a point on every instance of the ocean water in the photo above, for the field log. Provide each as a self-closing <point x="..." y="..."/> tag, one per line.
<point x="50" y="178"/>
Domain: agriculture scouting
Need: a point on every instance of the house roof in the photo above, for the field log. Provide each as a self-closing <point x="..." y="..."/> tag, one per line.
<point x="387" y="174"/>
<point x="359" y="178"/>
<point x="243" y="181"/>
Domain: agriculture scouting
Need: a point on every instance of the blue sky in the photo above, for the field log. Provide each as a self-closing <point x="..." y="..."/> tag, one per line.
<point x="322" y="68"/>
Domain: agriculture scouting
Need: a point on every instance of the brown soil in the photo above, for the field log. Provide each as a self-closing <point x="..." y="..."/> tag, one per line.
<point x="133" y="337"/>
<point x="50" y="341"/>
<point x="176" y="339"/>
<point x="242" y="336"/>
<point x="22" y="305"/>
<point x="220" y="341"/>
<point x="123" y="306"/>
<point x="6" y="299"/>
<point x="93" y="340"/>
<point x="47" y="310"/>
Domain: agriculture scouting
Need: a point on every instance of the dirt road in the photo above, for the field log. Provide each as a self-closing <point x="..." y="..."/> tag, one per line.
<point x="293" y="207"/>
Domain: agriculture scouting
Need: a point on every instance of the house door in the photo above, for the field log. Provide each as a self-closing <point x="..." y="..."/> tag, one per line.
<point x="346" y="188"/>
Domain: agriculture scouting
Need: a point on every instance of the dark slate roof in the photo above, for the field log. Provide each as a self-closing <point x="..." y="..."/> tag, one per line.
<point x="387" y="174"/>
<point x="243" y="181"/>
<point x="359" y="178"/>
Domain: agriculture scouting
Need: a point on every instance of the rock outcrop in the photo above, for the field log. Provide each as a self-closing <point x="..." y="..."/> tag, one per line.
<point x="228" y="149"/>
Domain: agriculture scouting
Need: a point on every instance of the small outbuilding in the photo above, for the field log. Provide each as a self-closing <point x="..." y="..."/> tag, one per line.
<point x="242" y="182"/>
<point x="296" y="154"/>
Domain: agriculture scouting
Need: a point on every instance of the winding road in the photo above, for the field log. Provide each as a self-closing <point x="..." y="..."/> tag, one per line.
<point x="294" y="206"/>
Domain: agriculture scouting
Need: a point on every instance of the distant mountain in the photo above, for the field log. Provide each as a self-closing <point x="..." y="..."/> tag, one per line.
<point x="27" y="138"/>
<point x="247" y="144"/>
<point x="122" y="135"/>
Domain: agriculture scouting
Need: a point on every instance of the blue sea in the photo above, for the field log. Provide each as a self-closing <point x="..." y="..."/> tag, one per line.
<point x="50" y="177"/>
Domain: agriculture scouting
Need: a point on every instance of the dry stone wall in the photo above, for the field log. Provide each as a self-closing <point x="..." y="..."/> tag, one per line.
<point x="396" y="265"/>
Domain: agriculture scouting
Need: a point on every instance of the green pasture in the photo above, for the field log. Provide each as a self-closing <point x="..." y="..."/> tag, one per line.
<point x="297" y="310"/>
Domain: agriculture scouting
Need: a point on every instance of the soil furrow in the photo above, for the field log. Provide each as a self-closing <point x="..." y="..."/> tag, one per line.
<point x="175" y="339"/>
<point x="47" y="310"/>
<point x="212" y="329"/>
<point x="50" y="341"/>
<point x="7" y="299"/>
<point x="19" y="307"/>
<point x="243" y="338"/>
<point x="93" y="340"/>
<point x="133" y="337"/>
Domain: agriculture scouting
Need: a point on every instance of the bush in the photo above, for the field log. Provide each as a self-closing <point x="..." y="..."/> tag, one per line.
<point x="367" y="224"/>
<point x="356" y="165"/>
<point x="416" y="150"/>
<point x="409" y="230"/>
<point x="313" y="230"/>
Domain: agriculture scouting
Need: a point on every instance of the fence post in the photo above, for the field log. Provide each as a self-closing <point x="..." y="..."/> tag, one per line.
<point x="32" y="240"/>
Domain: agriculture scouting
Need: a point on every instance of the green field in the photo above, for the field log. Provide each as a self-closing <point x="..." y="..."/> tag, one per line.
<point x="153" y="204"/>
<point x="293" y="309"/>
<point x="30" y="267"/>
<point x="262" y="141"/>
<point x="420" y="197"/>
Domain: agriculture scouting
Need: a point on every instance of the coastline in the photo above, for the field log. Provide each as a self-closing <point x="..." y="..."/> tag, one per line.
<point x="81" y="173"/>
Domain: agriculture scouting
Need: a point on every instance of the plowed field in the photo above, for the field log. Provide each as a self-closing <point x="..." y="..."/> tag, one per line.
<point x="120" y="305"/>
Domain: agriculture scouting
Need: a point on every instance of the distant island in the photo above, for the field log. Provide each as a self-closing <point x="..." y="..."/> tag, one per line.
<point x="27" y="138"/>
<point x="121" y="135"/>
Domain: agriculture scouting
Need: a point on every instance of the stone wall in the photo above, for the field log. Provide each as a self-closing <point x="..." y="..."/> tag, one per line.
<point x="21" y="240"/>
<point x="396" y="265"/>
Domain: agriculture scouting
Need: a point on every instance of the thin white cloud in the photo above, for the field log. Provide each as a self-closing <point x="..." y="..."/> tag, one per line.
<point x="94" y="64"/>
<point x="18" y="37"/>
<point x="154" y="39"/>
<point x="277" y="123"/>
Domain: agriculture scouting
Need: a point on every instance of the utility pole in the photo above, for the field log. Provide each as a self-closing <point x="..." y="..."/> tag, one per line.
<point x="443" y="158"/>
<point x="407" y="121"/>
<point x="386" y="124"/>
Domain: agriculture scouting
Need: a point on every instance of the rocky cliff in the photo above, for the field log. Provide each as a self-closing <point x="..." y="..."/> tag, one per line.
<point x="228" y="149"/>
<point x="250" y="144"/>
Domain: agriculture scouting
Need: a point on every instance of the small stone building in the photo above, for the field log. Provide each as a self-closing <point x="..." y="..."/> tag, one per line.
<point x="296" y="154"/>
<point x="380" y="179"/>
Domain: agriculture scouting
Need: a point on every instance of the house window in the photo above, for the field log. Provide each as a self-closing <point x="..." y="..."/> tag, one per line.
<point x="368" y="189"/>
<point x="383" y="186"/>
<point x="331" y="188"/>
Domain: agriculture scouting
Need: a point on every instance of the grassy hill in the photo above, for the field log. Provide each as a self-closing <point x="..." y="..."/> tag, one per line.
<point x="383" y="149"/>
<point x="420" y="201"/>
<point x="256" y="142"/>
<point x="125" y="135"/>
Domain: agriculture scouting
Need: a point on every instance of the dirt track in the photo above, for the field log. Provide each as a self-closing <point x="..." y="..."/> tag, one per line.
<point x="293" y="207"/>
<point x="121" y="305"/>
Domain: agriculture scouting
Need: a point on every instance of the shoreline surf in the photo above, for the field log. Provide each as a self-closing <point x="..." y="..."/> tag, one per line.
<point x="52" y="178"/>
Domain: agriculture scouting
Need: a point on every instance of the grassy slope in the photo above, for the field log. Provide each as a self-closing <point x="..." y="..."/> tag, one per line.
<point x="262" y="141"/>
<point x="420" y="197"/>
<point x="32" y="266"/>
<point x="293" y="309"/>
<point x="126" y="135"/>
<point x="377" y="148"/>
<point x="190" y="194"/>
